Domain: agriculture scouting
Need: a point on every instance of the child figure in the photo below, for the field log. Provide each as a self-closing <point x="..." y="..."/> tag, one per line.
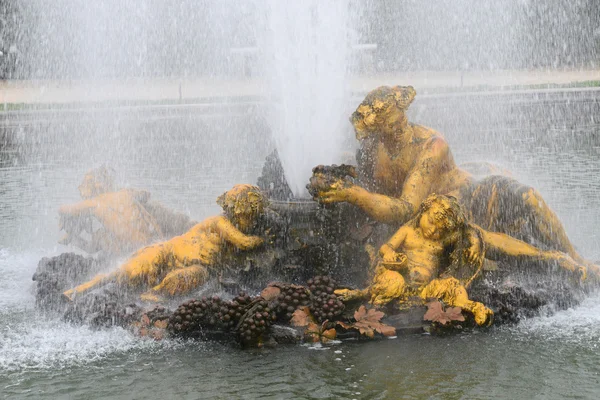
<point x="176" y="266"/>
<point x="127" y="218"/>
<point x="438" y="242"/>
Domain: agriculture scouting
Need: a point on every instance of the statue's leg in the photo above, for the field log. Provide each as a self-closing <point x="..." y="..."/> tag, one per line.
<point x="451" y="292"/>
<point x="387" y="285"/>
<point x="98" y="280"/>
<point x="546" y="223"/>
<point x="143" y="268"/>
<point x="502" y="204"/>
<point x="499" y="244"/>
<point x="147" y="265"/>
<point x="178" y="282"/>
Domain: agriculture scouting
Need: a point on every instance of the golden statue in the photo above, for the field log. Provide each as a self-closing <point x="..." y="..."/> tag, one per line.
<point x="400" y="164"/>
<point x="127" y="219"/>
<point x="176" y="266"/>
<point x="437" y="254"/>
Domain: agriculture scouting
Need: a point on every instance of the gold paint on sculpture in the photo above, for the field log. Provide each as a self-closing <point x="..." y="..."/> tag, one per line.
<point x="413" y="262"/>
<point x="401" y="163"/>
<point x="127" y="218"/>
<point x="177" y="266"/>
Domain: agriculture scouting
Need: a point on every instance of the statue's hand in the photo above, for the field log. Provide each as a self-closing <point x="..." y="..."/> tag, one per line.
<point x="567" y="263"/>
<point x="328" y="189"/>
<point x="391" y="256"/>
<point x="334" y="196"/>
<point x="253" y="241"/>
<point x="474" y="254"/>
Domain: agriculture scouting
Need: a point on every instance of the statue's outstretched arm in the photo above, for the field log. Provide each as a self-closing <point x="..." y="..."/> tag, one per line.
<point x="499" y="244"/>
<point x="84" y="207"/>
<point x="231" y="234"/>
<point x="381" y="207"/>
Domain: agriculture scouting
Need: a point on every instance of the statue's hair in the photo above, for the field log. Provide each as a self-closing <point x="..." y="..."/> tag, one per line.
<point x="459" y="229"/>
<point x="382" y="97"/>
<point x="102" y="178"/>
<point x="243" y="198"/>
<point x="450" y="212"/>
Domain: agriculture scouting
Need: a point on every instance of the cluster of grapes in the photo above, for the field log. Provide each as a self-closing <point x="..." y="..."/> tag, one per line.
<point x="255" y="322"/>
<point x="249" y="318"/>
<point x="324" y="176"/>
<point x="111" y="314"/>
<point x="158" y="313"/>
<point x="325" y="304"/>
<point x="195" y="314"/>
<point x="232" y="311"/>
<point x="290" y="299"/>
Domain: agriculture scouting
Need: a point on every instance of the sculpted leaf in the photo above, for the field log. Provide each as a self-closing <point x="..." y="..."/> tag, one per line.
<point x="435" y="313"/>
<point x="145" y="320"/>
<point x="312" y="333"/>
<point x="386" y="330"/>
<point x="301" y="317"/>
<point x="319" y="333"/>
<point x="270" y="293"/>
<point x="161" y="324"/>
<point x="328" y="335"/>
<point x="369" y="321"/>
<point x="454" y="314"/>
<point x="158" y="334"/>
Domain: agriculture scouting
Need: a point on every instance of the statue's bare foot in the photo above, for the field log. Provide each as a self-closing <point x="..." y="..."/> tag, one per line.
<point x="482" y="314"/>
<point x="66" y="239"/>
<point x="151" y="297"/>
<point x="349" y="294"/>
<point x="68" y="295"/>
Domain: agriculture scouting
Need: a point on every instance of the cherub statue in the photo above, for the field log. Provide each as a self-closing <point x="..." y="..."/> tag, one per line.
<point x="178" y="265"/>
<point x="437" y="254"/>
<point x="126" y="218"/>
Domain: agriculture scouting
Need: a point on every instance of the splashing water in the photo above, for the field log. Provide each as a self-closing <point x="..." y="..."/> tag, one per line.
<point x="307" y="47"/>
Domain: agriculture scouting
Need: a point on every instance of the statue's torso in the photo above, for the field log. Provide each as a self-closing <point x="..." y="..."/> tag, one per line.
<point x="125" y="219"/>
<point x="390" y="169"/>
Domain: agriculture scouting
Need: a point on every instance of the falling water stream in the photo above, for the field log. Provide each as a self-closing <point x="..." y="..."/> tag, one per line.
<point x="186" y="157"/>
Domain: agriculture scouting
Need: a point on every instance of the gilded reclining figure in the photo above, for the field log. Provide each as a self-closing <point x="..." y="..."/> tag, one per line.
<point x="437" y="254"/>
<point x="401" y="163"/>
<point x="127" y="218"/>
<point x="181" y="264"/>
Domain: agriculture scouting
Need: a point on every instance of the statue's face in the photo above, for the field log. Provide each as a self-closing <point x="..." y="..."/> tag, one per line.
<point x="379" y="119"/>
<point x="244" y="220"/>
<point x="432" y="223"/>
<point x="90" y="187"/>
<point x="243" y="205"/>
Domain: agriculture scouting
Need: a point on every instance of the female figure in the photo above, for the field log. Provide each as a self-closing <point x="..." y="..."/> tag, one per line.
<point x="401" y="163"/>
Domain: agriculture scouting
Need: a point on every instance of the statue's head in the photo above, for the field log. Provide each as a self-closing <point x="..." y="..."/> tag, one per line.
<point x="97" y="181"/>
<point x="382" y="110"/>
<point x="440" y="215"/>
<point x="243" y="204"/>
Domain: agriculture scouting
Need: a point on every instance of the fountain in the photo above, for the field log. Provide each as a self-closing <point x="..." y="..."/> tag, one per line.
<point x="322" y="275"/>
